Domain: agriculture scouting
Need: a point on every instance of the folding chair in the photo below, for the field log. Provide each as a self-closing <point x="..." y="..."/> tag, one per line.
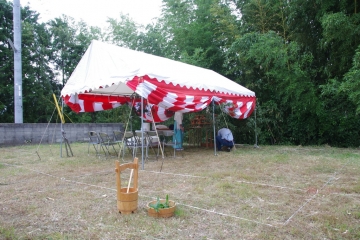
<point x="131" y="143"/>
<point x="168" y="134"/>
<point x="118" y="138"/>
<point x="151" y="142"/>
<point x="141" y="139"/>
<point x="106" y="141"/>
<point x="95" y="141"/>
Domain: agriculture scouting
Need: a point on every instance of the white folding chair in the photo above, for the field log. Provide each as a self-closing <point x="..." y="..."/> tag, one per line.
<point x="95" y="141"/>
<point x="131" y="143"/>
<point x="105" y="142"/>
<point x="141" y="138"/>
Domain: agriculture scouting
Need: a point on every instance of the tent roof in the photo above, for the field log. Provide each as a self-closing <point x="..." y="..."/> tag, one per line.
<point x="105" y="68"/>
<point x="107" y="75"/>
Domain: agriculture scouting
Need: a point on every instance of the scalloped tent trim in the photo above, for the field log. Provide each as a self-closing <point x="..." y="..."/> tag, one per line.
<point x="109" y="70"/>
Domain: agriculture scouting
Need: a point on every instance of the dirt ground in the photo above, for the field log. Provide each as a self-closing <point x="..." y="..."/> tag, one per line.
<point x="270" y="192"/>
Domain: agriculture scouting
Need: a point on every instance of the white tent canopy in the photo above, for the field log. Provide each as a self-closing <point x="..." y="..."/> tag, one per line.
<point x="107" y="74"/>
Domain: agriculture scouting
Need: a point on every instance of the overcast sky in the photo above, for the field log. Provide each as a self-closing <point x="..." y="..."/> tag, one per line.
<point x="95" y="12"/>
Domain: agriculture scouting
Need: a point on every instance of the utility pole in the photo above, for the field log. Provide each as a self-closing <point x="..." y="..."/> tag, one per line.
<point x="18" y="103"/>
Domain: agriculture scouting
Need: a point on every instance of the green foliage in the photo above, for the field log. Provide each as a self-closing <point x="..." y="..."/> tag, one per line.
<point x="290" y="64"/>
<point x="153" y="41"/>
<point x="341" y="33"/>
<point x="198" y="31"/>
<point x="8" y="233"/>
<point x="6" y="63"/>
<point x="159" y="205"/>
<point x="69" y="42"/>
<point x="351" y="85"/>
<point x="123" y="32"/>
<point x="275" y="70"/>
<point x="301" y="58"/>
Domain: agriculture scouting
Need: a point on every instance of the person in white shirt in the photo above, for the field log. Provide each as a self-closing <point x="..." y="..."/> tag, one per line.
<point x="224" y="138"/>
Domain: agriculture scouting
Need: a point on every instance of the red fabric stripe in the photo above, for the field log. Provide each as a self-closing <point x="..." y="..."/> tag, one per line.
<point x="103" y="98"/>
<point x="89" y="101"/>
<point x="74" y="106"/>
<point x="174" y="97"/>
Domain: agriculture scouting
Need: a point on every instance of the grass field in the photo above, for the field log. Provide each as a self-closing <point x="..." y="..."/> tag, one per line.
<point x="270" y="192"/>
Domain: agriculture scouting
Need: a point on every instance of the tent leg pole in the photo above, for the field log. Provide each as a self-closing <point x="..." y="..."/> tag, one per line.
<point x="61" y="141"/>
<point x="256" y="140"/>
<point x="213" y="115"/>
<point x="61" y="129"/>
<point x="142" y="133"/>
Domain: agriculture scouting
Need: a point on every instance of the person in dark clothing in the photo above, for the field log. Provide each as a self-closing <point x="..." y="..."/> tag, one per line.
<point x="224" y="138"/>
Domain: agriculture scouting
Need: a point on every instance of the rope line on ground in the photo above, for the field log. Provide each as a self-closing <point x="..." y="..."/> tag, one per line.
<point x="186" y="205"/>
<point x="227" y="215"/>
<point x="239" y="181"/>
<point x="194" y="207"/>
<point x="317" y="192"/>
<point x="218" y="213"/>
<point x="61" y="178"/>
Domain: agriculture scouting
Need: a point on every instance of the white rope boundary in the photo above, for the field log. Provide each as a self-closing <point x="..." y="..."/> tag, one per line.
<point x="202" y="209"/>
<point x="239" y="181"/>
<point x="111" y="189"/>
<point x="317" y="192"/>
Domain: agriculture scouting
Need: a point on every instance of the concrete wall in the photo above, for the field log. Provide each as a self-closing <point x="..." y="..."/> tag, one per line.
<point x="34" y="133"/>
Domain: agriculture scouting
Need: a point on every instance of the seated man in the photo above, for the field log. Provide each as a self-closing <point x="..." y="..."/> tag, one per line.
<point x="224" y="138"/>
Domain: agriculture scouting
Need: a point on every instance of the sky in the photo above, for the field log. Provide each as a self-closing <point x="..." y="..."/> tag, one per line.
<point x="96" y="12"/>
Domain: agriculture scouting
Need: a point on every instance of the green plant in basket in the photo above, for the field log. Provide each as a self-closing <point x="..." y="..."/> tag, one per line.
<point x="159" y="205"/>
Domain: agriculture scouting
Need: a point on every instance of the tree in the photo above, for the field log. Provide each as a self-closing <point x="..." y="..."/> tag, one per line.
<point x="276" y="71"/>
<point x="297" y="75"/>
<point x="351" y="85"/>
<point x="62" y="38"/>
<point x="38" y="78"/>
<point x="341" y="34"/>
<point x="6" y="63"/>
<point x="123" y="32"/>
<point x="198" y="31"/>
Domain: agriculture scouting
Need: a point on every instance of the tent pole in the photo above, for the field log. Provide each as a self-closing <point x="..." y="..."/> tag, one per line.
<point x="61" y="128"/>
<point x="142" y="133"/>
<point x="256" y="140"/>
<point x="213" y="113"/>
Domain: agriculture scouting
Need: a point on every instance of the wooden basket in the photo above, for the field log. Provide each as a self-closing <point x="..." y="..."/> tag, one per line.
<point x="163" y="212"/>
<point x="127" y="202"/>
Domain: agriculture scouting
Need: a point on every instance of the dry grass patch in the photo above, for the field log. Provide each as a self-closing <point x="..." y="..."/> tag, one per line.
<point x="271" y="192"/>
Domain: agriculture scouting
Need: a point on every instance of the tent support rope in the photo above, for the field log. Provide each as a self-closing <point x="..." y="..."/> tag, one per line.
<point x="123" y="138"/>
<point x="47" y="126"/>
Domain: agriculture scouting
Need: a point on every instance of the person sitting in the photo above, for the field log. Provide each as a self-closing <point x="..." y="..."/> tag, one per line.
<point x="224" y="138"/>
